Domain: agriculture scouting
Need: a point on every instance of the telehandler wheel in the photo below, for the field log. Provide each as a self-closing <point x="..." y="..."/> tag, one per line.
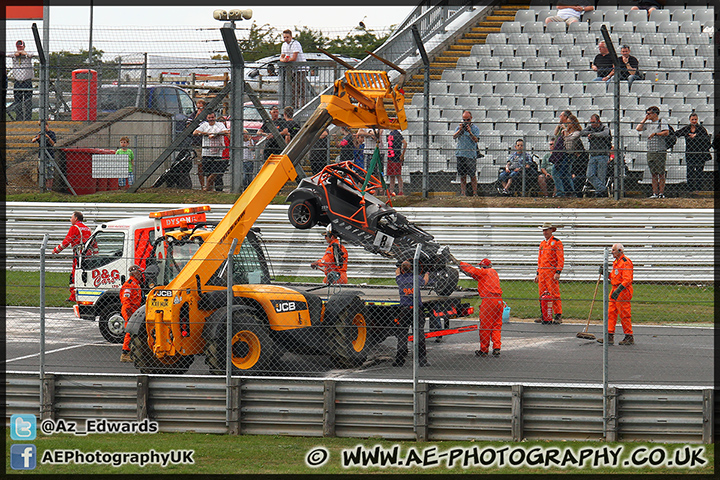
<point x="445" y="281"/>
<point x="302" y="214"/>
<point x="348" y="335"/>
<point x="112" y="324"/>
<point x="252" y="349"/>
<point x="141" y="350"/>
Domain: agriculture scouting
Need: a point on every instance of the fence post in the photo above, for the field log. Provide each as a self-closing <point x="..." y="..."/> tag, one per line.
<point x="47" y="393"/>
<point x="611" y="433"/>
<point x="421" y="429"/>
<point x="228" y="335"/>
<point x="329" y="408"/>
<point x="416" y="336"/>
<point x="516" y="415"/>
<point x="606" y="339"/>
<point x="142" y="397"/>
<point x="42" y="320"/>
<point x="234" y="425"/>
<point x="708" y="436"/>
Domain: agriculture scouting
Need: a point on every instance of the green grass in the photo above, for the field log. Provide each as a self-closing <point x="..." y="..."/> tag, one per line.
<point x="652" y="303"/>
<point x="250" y="454"/>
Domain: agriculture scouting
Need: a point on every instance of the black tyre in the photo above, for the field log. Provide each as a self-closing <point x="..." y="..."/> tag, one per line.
<point x="141" y="350"/>
<point x="348" y="336"/>
<point x="112" y="324"/>
<point x="253" y="351"/>
<point x="302" y="214"/>
<point x="446" y="281"/>
<point x="184" y="182"/>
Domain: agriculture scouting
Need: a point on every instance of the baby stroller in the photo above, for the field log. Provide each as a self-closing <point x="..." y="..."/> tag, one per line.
<point x="178" y="175"/>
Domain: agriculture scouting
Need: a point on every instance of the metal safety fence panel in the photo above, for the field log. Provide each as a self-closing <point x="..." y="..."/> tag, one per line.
<point x="391" y="409"/>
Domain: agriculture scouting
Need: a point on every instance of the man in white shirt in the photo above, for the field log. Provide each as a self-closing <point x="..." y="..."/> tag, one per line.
<point x="22" y="74"/>
<point x="291" y="51"/>
<point x="657" y="131"/>
<point x="570" y="11"/>
<point x="213" y="143"/>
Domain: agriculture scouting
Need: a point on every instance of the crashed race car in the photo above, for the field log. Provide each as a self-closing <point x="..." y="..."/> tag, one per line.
<point x="340" y="196"/>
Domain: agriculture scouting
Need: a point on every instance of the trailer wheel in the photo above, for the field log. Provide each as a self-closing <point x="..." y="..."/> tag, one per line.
<point x="446" y="281"/>
<point x="141" y="350"/>
<point x="112" y="324"/>
<point x="348" y="336"/>
<point x="302" y="214"/>
<point x="252" y="349"/>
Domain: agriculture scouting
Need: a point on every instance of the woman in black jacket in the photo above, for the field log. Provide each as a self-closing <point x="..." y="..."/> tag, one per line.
<point x="697" y="151"/>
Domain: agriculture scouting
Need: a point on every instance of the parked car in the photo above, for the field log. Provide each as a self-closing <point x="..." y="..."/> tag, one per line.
<point x="336" y="196"/>
<point x="262" y="75"/>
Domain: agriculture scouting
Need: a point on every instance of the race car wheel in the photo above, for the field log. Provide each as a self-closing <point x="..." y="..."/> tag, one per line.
<point x="348" y="336"/>
<point x="112" y="324"/>
<point x="446" y="281"/>
<point x="302" y="214"/>
<point x="252" y="349"/>
<point x="141" y="351"/>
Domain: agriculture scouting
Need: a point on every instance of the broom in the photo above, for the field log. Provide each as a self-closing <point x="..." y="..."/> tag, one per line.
<point x="584" y="334"/>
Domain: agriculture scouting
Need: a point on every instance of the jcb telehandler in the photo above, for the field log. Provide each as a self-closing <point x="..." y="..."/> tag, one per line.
<point x="188" y="316"/>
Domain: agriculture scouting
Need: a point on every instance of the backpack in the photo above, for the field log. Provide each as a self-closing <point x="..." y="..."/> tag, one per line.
<point x="671" y="138"/>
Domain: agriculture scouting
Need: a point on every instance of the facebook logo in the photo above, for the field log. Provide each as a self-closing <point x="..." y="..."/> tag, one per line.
<point x="23" y="457"/>
<point x="23" y="427"/>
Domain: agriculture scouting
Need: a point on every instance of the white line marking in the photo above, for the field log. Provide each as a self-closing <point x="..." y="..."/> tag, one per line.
<point x="51" y="351"/>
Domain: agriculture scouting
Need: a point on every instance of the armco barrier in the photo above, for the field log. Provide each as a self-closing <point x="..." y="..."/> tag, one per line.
<point x="360" y="409"/>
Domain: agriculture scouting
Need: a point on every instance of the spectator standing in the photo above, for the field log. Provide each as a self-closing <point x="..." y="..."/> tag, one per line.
<point x="347" y="145"/>
<point x="289" y="127"/>
<point x="196" y="142"/>
<point x="697" y="151"/>
<point x="291" y="51"/>
<point x="518" y="161"/>
<point x="648" y="5"/>
<point x="575" y="150"/>
<point x="600" y="143"/>
<point x="545" y="176"/>
<point x="75" y="238"/>
<point x="657" y="130"/>
<point x="43" y="160"/>
<point x="22" y="88"/>
<point x="603" y="64"/>
<point x="248" y="157"/>
<point x="629" y="66"/>
<point x="131" y="298"/>
<point x="404" y="278"/>
<point x="621" y="280"/>
<point x="272" y="147"/>
<point x="319" y="152"/>
<point x="212" y="133"/>
<point x="551" y="261"/>
<point x="372" y="138"/>
<point x="466" y="151"/>
<point x="491" y="307"/>
<point x="561" y="160"/>
<point x="124" y="150"/>
<point x="569" y="11"/>
<point x="397" y="145"/>
<point x="335" y="260"/>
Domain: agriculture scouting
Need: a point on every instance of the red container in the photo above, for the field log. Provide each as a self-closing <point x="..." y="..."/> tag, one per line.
<point x="78" y="169"/>
<point x="546" y="305"/>
<point x="84" y="94"/>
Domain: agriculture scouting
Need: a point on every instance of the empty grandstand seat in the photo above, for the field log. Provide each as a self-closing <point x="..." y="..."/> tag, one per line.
<point x="679" y="77"/>
<point x="525" y="51"/>
<point x="527" y="89"/>
<point x="696" y="98"/>
<point x="621" y="27"/>
<point x="504" y="88"/>
<point x="587" y="76"/>
<point x="500" y="50"/>
<point x="512" y="102"/>
<point x="459" y="88"/>
<point x="681" y="14"/>
<point x="535" y="101"/>
<point x="563" y="39"/>
<point x="573" y="89"/>
<point x="488" y="62"/>
<point x="706" y="51"/>
<point x="497" y="77"/>
<point x="631" y="39"/>
<point x="481" y="50"/>
<point x="549" y="89"/>
<point x="694" y="63"/>
<point x="554" y="28"/>
<point x="708" y="88"/>
<point x="586" y="39"/>
<point x="702" y="38"/>
<point x="668" y="26"/>
<point x="690" y="26"/>
<point x="534" y="64"/>
<point x="528" y="15"/>
<point x="511" y="27"/>
<point x="473" y="76"/>
<point x="571" y="51"/>
<point x="519" y="39"/>
<point x="685" y="51"/>
<point x="548" y="51"/>
<point x="557" y="63"/>
<point x="661" y="51"/>
<point x="451" y="75"/>
<point x="635" y="16"/>
<point x="614" y="16"/>
<point x="596" y="89"/>
<point x="540" y="39"/>
<point x="702" y="77"/>
<point x="489" y="101"/>
<point x="660" y="16"/>
<point x="663" y="89"/>
<point x="541" y="77"/>
<point x="592" y="16"/>
<point x="467" y="63"/>
<point x="676" y="39"/>
<point x="646" y="26"/>
<point x="496" y="39"/>
<point x="511" y="63"/>
<point x="670" y="63"/>
<point x="531" y="27"/>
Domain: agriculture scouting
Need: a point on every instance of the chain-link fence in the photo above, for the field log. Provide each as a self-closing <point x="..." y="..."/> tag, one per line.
<point x="515" y="86"/>
<point x="306" y="329"/>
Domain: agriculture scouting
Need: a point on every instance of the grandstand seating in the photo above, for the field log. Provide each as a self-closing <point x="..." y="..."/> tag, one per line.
<point x="524" y="75"/>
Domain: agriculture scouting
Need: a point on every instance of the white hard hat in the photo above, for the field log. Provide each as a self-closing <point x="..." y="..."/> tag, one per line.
<point x="328" y="230"/>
